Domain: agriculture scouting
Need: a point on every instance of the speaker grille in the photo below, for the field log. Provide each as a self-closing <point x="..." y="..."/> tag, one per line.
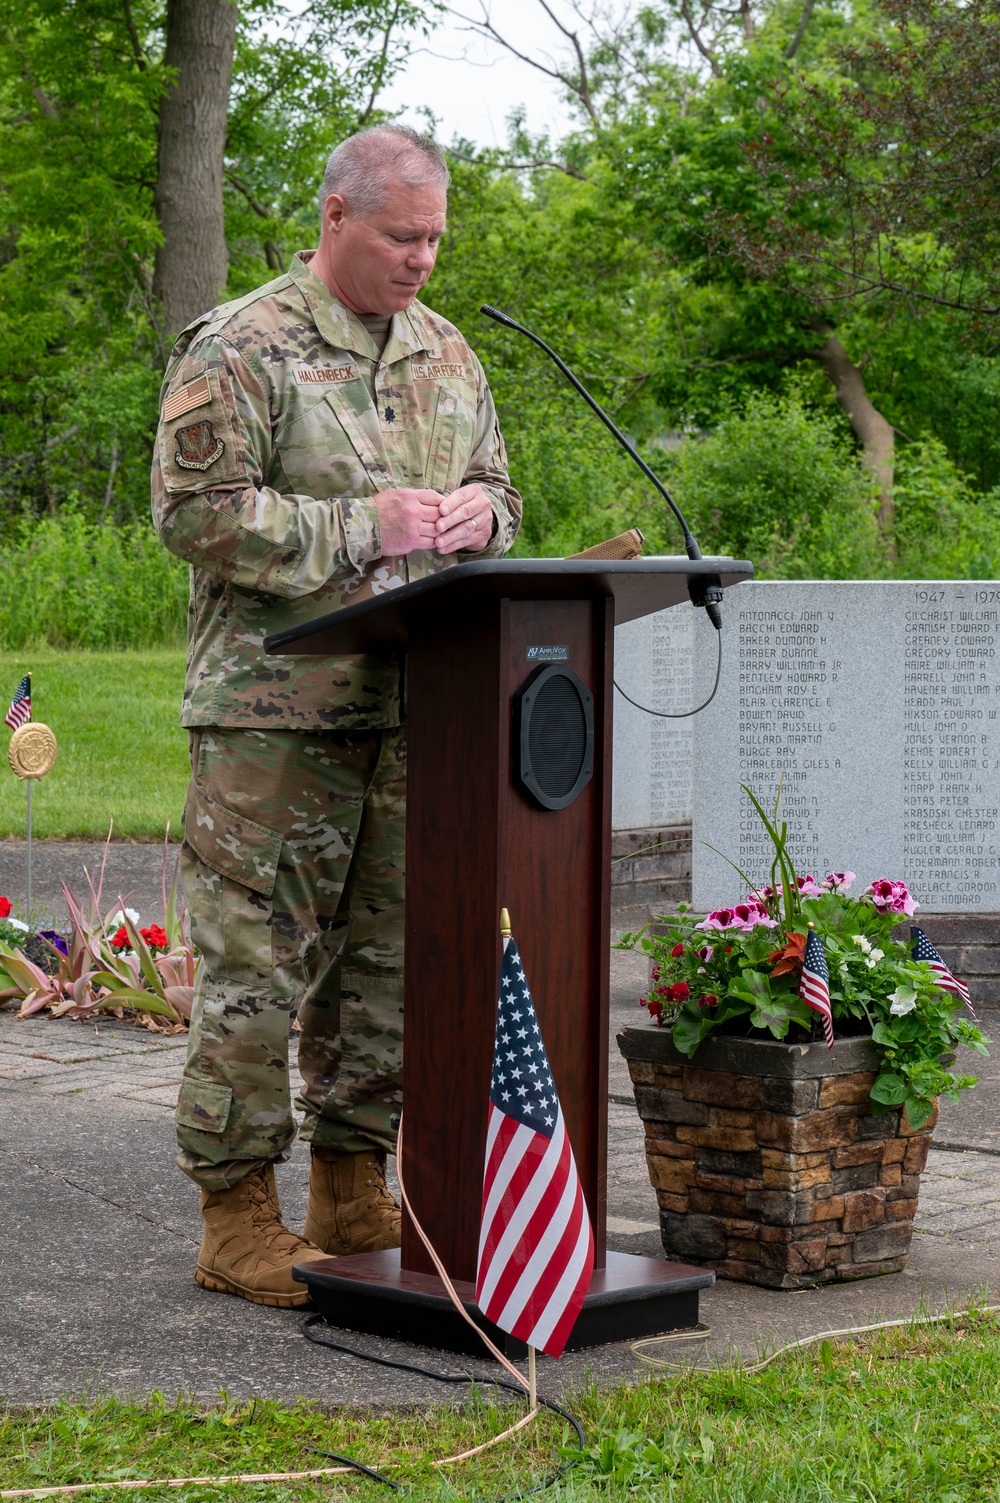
<point x="554" y="760"/>
<point x="557" y="736"/>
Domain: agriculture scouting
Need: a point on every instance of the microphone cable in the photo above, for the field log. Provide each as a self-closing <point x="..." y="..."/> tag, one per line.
<point x="680" y="714"/>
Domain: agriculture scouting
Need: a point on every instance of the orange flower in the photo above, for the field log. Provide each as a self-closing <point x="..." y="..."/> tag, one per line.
<point x="791" y="957"/>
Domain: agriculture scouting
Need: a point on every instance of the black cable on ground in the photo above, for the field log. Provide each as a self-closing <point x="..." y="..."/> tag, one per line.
<point x="427" y="1372"/>
<point x="679" y="714"/>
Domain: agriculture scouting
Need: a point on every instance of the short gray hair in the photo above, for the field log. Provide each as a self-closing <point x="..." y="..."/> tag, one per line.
<point x="361" y="167"/>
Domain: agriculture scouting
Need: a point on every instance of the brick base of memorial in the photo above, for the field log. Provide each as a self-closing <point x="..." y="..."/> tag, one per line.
<point x="767" y="1162"/>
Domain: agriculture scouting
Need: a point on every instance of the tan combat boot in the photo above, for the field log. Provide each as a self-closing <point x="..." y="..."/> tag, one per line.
<point x="246" y="1249"/>
<point x="350" y="1208"/>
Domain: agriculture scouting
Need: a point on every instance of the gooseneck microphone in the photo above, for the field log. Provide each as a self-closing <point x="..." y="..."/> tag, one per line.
<point x="705" y="591"/>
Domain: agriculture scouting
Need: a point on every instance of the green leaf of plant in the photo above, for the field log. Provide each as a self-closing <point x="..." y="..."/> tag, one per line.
<point x="918" y="1111"/>
<point x="691" y="1025"/>
<point x="889" y="1089"/>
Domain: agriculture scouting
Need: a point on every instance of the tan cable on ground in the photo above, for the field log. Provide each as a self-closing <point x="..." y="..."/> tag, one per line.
<point x="453" y="1296"/>
<point x="792" y="1346"/>
<point x="329" y="1471"/>
<point x="85" y="1487"/>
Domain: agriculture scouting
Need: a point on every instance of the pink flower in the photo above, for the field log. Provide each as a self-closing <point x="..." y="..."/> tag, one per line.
<point x="838" y="881"/>
<point x="705" y="953"/>
<point x="891" y="897"/>
<point x="808" y="887"/>
<point x="752" y="916"/>
<point x="721" y="918"/>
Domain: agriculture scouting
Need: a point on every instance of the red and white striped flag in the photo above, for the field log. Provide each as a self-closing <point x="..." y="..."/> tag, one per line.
<point x="946" y="980"/>
<point x="20" y="706"/>
<point x="536" y="1243"/>
<point x="815" y="988"/>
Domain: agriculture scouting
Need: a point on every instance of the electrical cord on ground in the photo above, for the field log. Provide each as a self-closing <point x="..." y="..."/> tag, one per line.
<point x="308" y="1330"/>
<point x="680" y="714"/>
<point x="846" y="1333"/>
<point x="521" y="1387"/>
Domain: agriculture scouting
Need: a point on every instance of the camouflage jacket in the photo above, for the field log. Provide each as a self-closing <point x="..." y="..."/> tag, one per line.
<point x="278" y="419"/>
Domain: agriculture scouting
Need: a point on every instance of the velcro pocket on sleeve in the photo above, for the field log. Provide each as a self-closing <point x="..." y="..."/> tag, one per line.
<point x="230" y="843"/>
<point x="203" y="1105"/>
<point x="199" y="439"/>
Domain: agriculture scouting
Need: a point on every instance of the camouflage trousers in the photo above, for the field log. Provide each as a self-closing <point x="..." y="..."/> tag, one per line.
<point x="292" y="868"/>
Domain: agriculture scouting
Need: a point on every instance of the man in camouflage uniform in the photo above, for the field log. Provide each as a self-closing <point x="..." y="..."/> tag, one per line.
<point x="325" y="438"/>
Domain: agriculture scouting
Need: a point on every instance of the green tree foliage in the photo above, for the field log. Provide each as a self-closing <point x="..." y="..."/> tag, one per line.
<point x="781" y="485"/>
<point x="80" y="84"/>
<point x="689" y="261"/>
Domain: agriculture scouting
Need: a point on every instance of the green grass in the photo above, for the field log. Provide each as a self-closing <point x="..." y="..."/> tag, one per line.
<point x="122" y="753"/>
<point x="905" y="1415"/>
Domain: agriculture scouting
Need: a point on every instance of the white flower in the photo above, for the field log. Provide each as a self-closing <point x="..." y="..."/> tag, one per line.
<point x="902" y="1001"/>
<point x="117" y="919"/>
<point x="878" y="955"/>
<point x="862" y="943"/>
<point x="17" y="924"/>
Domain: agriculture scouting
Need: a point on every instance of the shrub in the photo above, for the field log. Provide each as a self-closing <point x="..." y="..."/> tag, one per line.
<point x="943" y="528"/>
<point x="780" y="484"/>
<point x="67" y="582"/>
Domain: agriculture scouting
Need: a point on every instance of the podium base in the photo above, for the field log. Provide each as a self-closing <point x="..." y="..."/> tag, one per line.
<point x="370" y="1292"/>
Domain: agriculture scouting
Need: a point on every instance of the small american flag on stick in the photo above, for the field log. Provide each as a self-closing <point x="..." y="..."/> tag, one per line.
<point x="20" y="706"/>
<point x="924" y="950"/>
<point x="815" y="988"/>
<point x="536" y="1244"/>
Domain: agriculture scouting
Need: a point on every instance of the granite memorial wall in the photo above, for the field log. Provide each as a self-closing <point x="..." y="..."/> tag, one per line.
<point x="876" y="706"/>
<point x="654" y="663"/>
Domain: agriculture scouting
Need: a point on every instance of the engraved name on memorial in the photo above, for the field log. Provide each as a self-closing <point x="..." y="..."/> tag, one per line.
<point x="652" y="756"/>
<point x="876" y="705"/>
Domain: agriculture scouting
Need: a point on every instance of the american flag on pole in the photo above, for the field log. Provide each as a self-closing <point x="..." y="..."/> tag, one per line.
<point x="924" y="950"/>
<point x="536" y="1244"/>
<point x="20" y="706"/>
<point x="815" y="988"/>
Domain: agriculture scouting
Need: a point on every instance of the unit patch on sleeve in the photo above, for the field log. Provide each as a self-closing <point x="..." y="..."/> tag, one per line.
<point x="440" y="370"/>
<point x="197" y="446"/>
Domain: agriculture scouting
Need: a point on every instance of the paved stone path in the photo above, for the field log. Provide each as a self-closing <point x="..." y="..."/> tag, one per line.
<point x="98" y="1233"/>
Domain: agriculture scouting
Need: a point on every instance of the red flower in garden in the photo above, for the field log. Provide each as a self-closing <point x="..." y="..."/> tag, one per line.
<point x="680" y="991"/>
<point x="120" y="940"/>
<point x="677" y="950"/>
<point x="4" y="907"/>
<point x="155" y="937"/>
<point x="709" y="1000"/>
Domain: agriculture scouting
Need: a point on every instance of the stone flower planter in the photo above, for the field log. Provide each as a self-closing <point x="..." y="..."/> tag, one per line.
<point x="767" y="1163"/>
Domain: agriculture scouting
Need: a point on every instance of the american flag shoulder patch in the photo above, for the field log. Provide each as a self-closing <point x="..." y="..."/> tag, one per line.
<point x="196" y="393"/>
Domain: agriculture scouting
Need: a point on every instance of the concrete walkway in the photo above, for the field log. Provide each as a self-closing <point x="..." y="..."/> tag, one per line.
<point x="98" y="1234"/>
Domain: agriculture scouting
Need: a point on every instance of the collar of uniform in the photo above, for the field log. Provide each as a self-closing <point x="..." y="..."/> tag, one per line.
<point x="336" y="323"/>
<point x="410" y="332"/>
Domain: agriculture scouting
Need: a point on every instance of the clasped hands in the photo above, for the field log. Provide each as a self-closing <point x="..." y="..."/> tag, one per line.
<point x="424" y="519"/>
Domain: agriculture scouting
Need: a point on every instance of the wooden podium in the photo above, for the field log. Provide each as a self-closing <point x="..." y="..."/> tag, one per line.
<point x="478" y="639"/>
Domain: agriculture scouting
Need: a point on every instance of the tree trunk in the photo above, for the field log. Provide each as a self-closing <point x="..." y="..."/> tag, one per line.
<point x="877" y="436"/>
<point x="191" y="264"/>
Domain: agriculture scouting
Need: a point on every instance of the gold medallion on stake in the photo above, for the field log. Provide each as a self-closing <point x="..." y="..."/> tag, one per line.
<point x="32" y="750"/>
